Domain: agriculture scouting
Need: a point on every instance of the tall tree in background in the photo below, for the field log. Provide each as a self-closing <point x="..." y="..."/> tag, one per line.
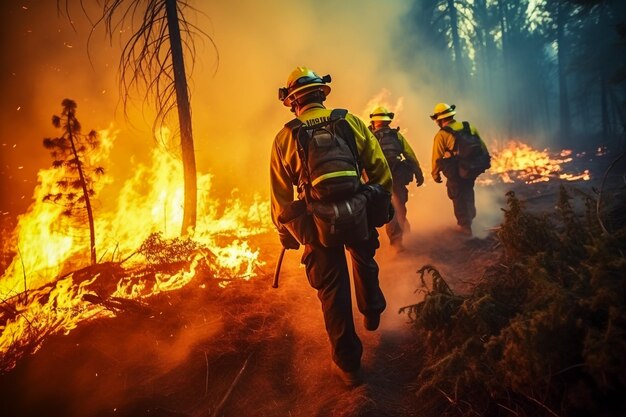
<point x="453" y="18"/>
<point x="538" y="66"/>
<point x="599" y="64"/>
<point x="438" y="25"/>
<point x="70" y="151"/>
<point x="153" y="59"/>
<point x="485" y="23"/>
<point x="564" y="112"/>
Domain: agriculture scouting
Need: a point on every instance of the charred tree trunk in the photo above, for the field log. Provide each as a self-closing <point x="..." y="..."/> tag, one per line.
<point x="184" y="119"/>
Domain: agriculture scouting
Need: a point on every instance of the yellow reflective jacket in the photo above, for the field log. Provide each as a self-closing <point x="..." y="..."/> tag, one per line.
<point x="286" y="166"/>
<point x="443" y="145"/>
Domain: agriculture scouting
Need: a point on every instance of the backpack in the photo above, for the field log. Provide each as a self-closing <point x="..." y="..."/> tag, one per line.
<point x="331" y="179"/>
<point x="472" y="159"/>
<point x="392" y="149"/>
<point x="328" y="153"/>
<point x="390" y="144"/>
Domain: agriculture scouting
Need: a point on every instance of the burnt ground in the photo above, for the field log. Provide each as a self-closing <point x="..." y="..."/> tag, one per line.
<point x="247" y="349"/>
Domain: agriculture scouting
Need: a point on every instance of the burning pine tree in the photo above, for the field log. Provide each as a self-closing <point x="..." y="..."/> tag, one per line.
<point x="70" y="151"/>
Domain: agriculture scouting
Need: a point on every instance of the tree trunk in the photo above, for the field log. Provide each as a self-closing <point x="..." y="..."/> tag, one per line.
<point x="184" y="119"/>
<point x="502" y="8"/>
<point x="564" y="111"/>
<point x="487" y="47"/>
<point x="83" y="184"/>
<point x="456" y="44"/>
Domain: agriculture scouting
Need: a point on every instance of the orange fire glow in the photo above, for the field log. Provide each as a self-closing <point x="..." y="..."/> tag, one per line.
<point x="519" y="161"/>
<point x="40" y="288"/>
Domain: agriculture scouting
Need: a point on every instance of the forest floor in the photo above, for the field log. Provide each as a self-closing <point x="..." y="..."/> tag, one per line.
<point x="247" y="349"/>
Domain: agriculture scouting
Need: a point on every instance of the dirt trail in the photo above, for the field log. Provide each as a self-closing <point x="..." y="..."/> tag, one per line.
<point x="246" y="350"/>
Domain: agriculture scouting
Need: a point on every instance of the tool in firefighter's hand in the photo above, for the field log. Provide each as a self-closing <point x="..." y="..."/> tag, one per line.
<point x="278" y="265"/>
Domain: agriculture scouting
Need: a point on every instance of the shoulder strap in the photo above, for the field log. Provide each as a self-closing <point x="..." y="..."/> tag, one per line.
<point x="337" y="114"/>
<point x="466" y="127"/>
<point x="293" y="124"/>
<point x="340" y="114"/>
<point x="449" y="129"/>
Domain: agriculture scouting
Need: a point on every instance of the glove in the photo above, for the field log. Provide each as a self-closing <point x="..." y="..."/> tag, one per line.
<point x="437" y="178"/>
<point x="288" y="241"/>
<point x="419" y="177"/>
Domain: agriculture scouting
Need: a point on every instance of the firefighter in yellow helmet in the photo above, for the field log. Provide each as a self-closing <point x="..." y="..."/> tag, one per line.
<point x="296" y="151"/>
<point x="461" y="155"/>
<point x="403" y="164"/>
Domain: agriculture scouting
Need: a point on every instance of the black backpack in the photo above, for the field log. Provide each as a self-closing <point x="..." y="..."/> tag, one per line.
<point x="331" y="170"/>
<point x="391" y="146"/>
<point x="472" y="159"/>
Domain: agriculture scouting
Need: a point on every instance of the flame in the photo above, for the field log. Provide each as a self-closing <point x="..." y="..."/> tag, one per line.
<point x="519" y="161"/>
<point x="383" y="98"/>
<point x="40" y="300"/>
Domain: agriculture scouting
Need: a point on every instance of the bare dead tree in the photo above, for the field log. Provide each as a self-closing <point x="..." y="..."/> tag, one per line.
<point x="152" y="62"/>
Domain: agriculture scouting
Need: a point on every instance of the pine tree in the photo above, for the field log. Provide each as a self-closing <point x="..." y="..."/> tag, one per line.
<point x="69" y="151"/>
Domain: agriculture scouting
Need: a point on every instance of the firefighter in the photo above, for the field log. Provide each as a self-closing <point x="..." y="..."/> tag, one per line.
<point x="326" y="267"/>
<point x="445" y="159"/>
<point x="403" y="164"/>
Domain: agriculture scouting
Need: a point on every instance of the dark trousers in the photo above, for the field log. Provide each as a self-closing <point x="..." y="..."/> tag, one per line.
<point x="327" y="272"/>
<point x="398" y="223"/>
<point x="461" y="192"/>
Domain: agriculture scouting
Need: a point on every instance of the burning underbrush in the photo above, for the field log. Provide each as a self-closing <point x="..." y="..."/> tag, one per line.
<point x="518" y="162"/>
<point x="47" y="288"/>
<point x="542" y="333"/>
<point x="200" y="322"/>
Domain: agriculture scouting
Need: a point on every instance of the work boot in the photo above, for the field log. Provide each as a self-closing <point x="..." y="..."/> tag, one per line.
<point x="371" y="321"/>
<point x="351" y="379"/>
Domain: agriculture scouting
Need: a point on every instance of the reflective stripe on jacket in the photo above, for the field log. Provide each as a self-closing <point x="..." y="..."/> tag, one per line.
<point x="285" y="164"/>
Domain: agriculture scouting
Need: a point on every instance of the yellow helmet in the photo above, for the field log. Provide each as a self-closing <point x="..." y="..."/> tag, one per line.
<point x="381" y="113"/>
<point x="442" y="110"/>
<point x="302" y="80"/>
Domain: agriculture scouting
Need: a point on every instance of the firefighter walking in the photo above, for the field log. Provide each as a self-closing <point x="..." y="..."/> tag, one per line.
<point x="461" y="155"/>
<point x="307" y="137"/>
<point x="404" y="166"/>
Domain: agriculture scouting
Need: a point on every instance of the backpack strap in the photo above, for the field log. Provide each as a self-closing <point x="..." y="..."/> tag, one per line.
<point x="340" y="114"/>
<point x="449" y="129"/>
<point x="337" y="114"/>
<point x="294" y="123"/>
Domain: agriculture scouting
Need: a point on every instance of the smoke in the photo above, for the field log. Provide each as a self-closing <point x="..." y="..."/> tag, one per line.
<point x="234" y="97"/>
